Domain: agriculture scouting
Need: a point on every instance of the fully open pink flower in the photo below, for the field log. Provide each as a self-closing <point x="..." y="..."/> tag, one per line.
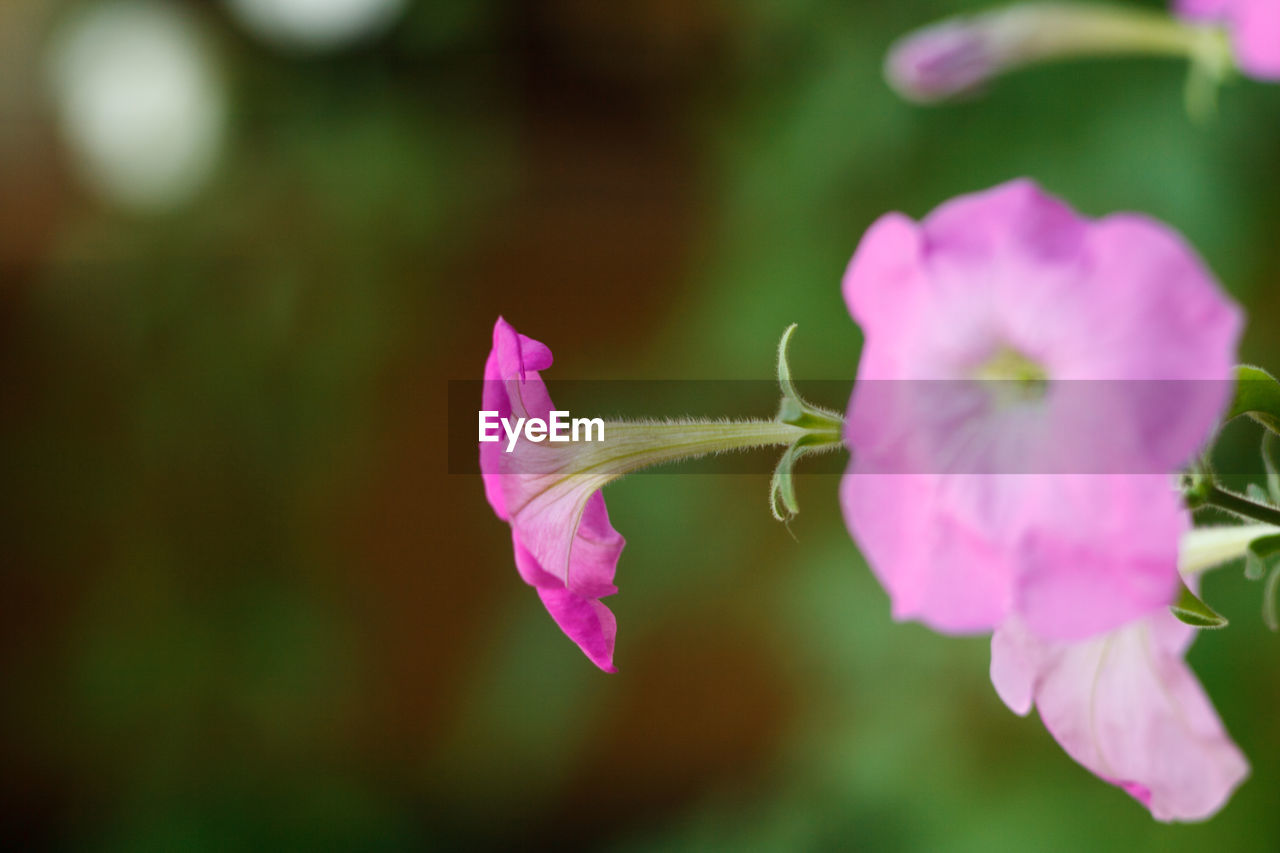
<point x="1254" y="26"/>
<point x="1039" y="495"/>
<point x="565" y="546"/>
<point x="1126" y="706"/>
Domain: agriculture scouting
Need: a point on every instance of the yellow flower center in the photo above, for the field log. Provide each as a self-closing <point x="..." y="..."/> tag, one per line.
<point x="1020" y="378"/>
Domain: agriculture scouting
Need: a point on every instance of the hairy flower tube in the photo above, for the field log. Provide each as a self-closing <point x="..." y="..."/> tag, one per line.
<point x="1125" y="704"/>
<point x="1029" y="383"/>
<point x="565" y="546"/>
<point x="957" y="55"/>
<point x="1254" y="26"/>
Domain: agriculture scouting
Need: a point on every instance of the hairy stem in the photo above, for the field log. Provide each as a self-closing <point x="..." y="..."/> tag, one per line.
<point x="1239" y="505"/>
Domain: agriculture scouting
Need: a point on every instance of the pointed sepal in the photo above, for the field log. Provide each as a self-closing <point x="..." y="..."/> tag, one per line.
<point x="1258" y="396"/>
<point x="1191" y="610"/>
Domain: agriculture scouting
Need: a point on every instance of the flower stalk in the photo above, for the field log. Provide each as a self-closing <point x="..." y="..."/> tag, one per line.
<point x="1224" y="499"/>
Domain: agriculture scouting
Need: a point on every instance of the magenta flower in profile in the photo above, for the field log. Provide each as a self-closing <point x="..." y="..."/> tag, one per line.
<point x="545" y="481"/>
<point x="565" y="546"/>
<point x="1254" y="26"/>
<point x="1127" y="707"/>
<point x="987" y="479"/>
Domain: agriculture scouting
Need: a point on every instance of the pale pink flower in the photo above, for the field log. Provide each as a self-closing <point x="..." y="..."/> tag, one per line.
<point x="1127" y="707"/>
<point x="1254" y="26"/>
<point x="565" y="546"/>
<point x="1046" y="498"/>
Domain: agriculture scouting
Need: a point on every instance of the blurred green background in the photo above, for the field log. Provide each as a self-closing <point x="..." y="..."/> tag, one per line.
<point x="244" y="603"/>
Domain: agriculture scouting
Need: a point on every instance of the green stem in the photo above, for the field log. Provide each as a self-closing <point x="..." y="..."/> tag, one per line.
<point x="1061" y="30"/>
<point x="1240" y="505"/>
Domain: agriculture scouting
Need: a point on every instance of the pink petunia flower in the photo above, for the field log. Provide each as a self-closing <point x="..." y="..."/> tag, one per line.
<point x="1037" y="494"/>
<point x="1254" y="26"/>
<point x="565" y="546"/>
<point x="1127" y="707"/>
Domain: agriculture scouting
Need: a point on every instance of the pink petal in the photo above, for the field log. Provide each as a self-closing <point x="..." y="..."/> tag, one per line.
<point x="1257" y="37"/>
<point x="585" y="621"/>
<point x="881" y="287"/>
<point x="1017" y="656"/>
<point x="512" y="386"/>
<point x="566" y="531"/>
<point x="1127" y="707"/>
<point x="1154" y="309"/>
<point x="1103" y="553"/>
<point x="915" y="551"/>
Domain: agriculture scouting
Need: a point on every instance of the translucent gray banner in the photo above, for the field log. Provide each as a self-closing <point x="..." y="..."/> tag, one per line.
<point x="972" y="427"/>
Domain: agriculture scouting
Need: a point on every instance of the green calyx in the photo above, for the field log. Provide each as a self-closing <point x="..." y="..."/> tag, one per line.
<point x="1191" y="610"/>
<point x="1257" y="396"/>
<point x="824" y="430"/>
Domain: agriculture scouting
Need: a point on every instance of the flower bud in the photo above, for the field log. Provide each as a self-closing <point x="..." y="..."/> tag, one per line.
<point x="957" y="55"/>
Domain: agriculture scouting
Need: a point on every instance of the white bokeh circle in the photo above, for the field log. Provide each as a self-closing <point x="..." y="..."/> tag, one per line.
<point x="316" y="25"/>
<point x="139" y="100"/>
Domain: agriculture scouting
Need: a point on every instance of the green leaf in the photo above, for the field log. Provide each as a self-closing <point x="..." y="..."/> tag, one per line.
<point x="1258" y="396"/>
<point x="1194" y="612"/>
<point x="1271" y="459"/>
<point x="1262" y="554"/>
<point x="1270" y="593"/>
<point x="1254" y="492"/>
